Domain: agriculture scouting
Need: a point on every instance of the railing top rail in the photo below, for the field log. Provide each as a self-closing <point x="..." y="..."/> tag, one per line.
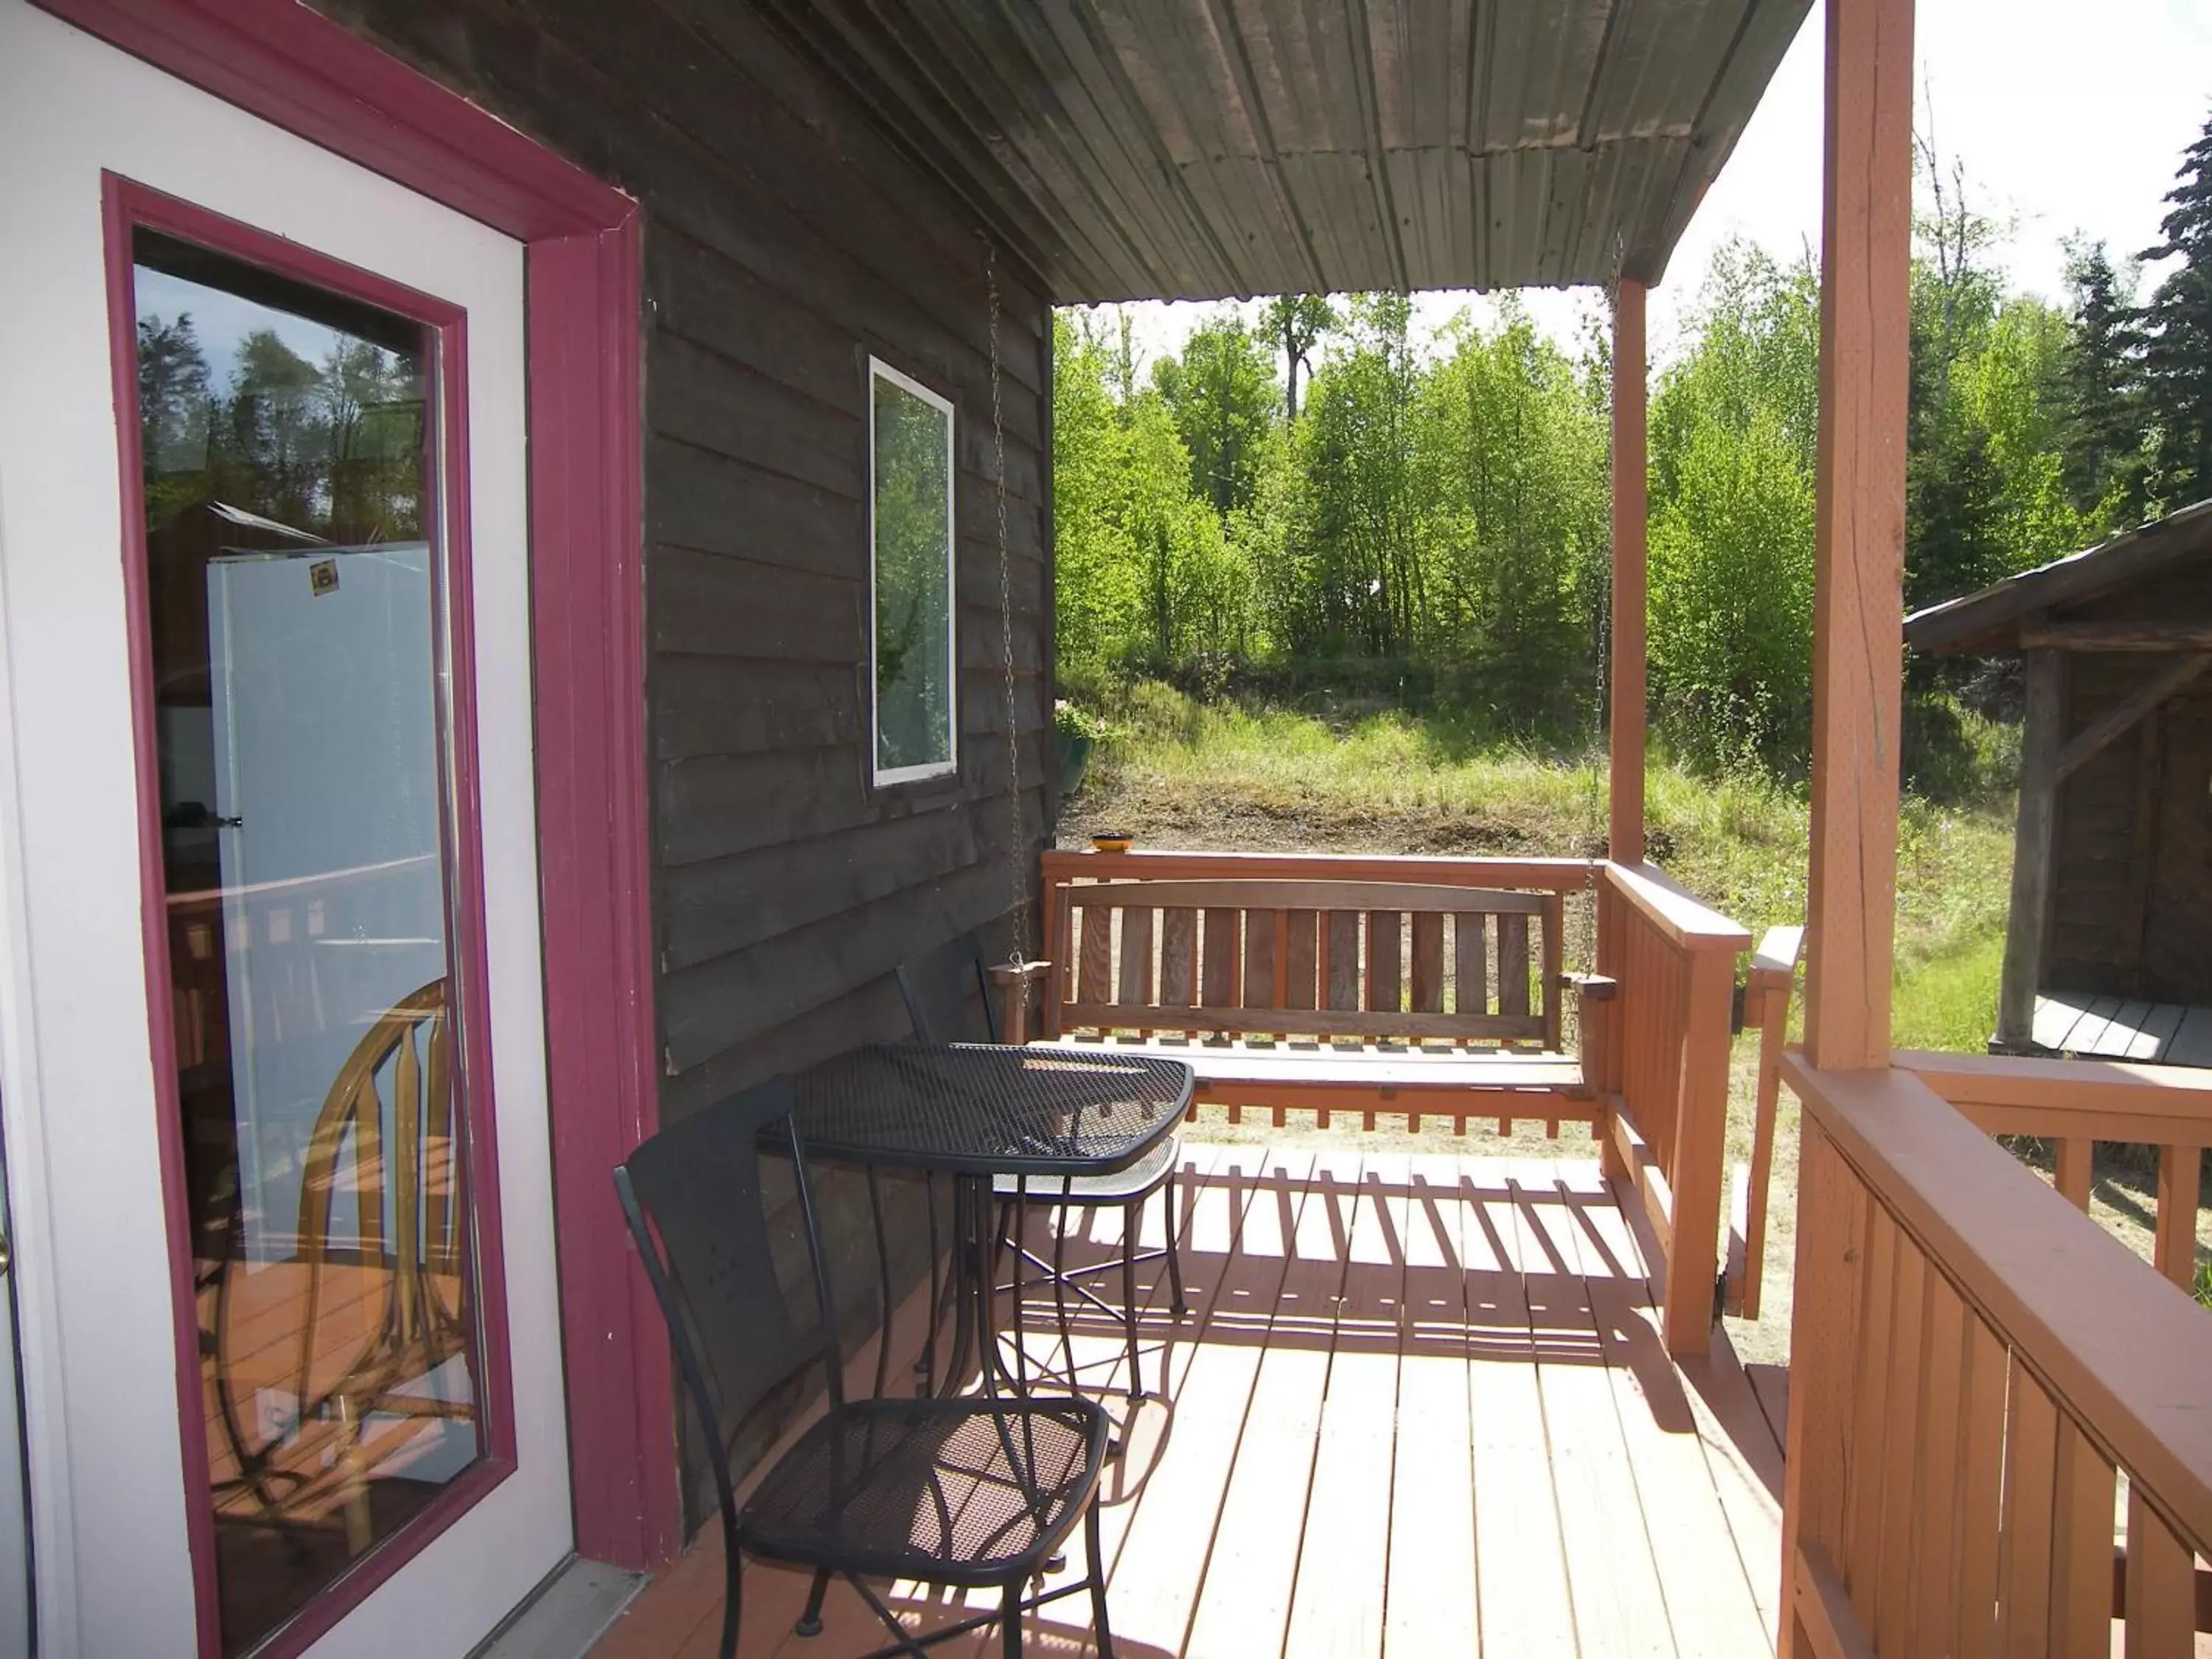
<point x="1556" y="875"/>
<point x="1775" y="962"/>
<point x="2022" y="1080"/>
<point x="2124" y="1350"/>
<point x="1688" y="921"/>
<point x="1315" y="894"/>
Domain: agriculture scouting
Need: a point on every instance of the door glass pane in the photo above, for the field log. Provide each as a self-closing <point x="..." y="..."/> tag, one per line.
<point x="299" y="657"/>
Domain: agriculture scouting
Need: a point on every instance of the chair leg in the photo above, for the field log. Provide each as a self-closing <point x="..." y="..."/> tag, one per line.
<point x="1099" y="1629"/>
<point x="1010" y="1622"/>
<point x="1129" y="1215"/>
<point x="1175" y="1246"/>
<point x="1059" y="1218"/>
<point x="810" y="1622"/>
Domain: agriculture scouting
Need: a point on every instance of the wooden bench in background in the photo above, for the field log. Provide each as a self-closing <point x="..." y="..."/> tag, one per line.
<point x="1325" y="993"/>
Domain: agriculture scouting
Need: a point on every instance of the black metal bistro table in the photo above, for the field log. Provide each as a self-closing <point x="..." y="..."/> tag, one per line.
<point x="975" y="1111"/>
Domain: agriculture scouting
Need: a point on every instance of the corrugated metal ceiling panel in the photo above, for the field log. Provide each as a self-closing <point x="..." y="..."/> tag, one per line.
<point x="1205" y="149"/>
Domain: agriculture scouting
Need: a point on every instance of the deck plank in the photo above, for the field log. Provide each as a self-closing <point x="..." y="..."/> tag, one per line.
<point x="2156" y="1034"/>
<point x="1162" y="1557"/>
<point x="1337" y="1604"/>
<point x="1711" y="1603"/>
<point x="2192" y="1039"/>
<point x="1433" y="1601"/>
<point x="1560" y="1488"/>
<point x="2057" y="1014"/>
<point x="1520" y="1551"/>
<point x="2088" y="1031"/>
<point x="1612" y="1573"/>
<point x="1245" y="1608"/>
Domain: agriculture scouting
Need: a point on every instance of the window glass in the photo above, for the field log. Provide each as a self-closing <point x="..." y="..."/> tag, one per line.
<point x="910" y="521"/>
<point x="289" y="439"/>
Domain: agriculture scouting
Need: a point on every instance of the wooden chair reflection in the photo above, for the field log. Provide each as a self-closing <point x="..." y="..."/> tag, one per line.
<point x="407" y="1280"/>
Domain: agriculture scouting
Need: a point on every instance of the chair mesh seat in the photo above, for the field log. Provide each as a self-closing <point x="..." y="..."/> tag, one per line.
<point x="923" y="1488"/>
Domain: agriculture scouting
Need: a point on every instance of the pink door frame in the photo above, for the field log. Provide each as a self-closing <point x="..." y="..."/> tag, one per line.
<point x="301" y="72"/>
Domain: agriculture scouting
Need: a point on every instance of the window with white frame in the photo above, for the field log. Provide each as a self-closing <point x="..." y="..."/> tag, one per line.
<point x="915" y="712"/>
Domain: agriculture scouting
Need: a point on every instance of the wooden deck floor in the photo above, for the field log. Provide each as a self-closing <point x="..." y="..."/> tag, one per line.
<point x="2113" y="1028"/>
<point x="1419" y="1408"/>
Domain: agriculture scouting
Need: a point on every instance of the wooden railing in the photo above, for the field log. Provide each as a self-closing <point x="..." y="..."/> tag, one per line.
<point x="1661" y="1061"/>
<point x="1766" y="996"/>
<point x="1652" y="1075"/>
<point x="2078" y="1103"/>
<point x="1975" y="1366"/>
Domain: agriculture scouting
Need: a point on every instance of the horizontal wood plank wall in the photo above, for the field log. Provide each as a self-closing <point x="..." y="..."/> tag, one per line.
<point x="1976" y="1366"/>
<point x="785" y="243"/>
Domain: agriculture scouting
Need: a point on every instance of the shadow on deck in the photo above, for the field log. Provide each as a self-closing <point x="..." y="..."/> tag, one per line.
<point x="1419" y="1405"/>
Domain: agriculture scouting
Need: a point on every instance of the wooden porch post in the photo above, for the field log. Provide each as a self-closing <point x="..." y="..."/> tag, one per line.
<point x="1624" y="727"/>
<point x="2034" y="834"/>
<point x="1858" y="602"/>
<point x="1857" y="690"/>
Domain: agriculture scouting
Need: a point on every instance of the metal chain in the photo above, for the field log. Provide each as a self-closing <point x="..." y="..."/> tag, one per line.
<point x="1016" y="863"/>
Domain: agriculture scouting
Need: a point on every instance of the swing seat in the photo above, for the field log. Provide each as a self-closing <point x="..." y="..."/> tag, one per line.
<point x="1427" y="999"/>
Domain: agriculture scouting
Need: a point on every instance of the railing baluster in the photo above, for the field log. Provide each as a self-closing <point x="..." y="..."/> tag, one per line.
<point x="1900" y="1445"/>
<point x="2030" y="1494"/>
<point x="1981" y="1481"/>
<point x="1939" y="1456"/>
<point x="2081" y="1549"/>
<point x="2161" y="1586"/>
<point x="2181" y="1171"/>
<point x="2076" y="1157"/>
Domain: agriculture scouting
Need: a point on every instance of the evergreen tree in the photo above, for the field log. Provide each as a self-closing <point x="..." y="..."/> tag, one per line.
<point x="2178" y="335"/>
<point x="2103" y="430"/>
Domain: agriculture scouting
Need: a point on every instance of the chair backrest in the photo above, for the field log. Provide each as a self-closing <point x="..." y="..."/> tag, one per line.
<point x="742" y="1328"/>
<point x="948" y="996"/>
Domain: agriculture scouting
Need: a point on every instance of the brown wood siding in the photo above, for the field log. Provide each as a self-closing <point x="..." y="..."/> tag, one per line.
<point x="2116" y="930"/>
<point x="785" y="242"/>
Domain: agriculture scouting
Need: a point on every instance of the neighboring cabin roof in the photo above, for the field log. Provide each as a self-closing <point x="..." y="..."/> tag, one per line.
<point x="1987" y="623"/>
<point x="1191" y="149"/>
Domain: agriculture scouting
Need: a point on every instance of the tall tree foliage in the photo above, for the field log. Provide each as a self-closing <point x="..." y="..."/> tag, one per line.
<point x="1734" y="429"/>
<point x="1221" y="392"/>
<point x="2178" y="334"/>
<point x="2102" y="459"/>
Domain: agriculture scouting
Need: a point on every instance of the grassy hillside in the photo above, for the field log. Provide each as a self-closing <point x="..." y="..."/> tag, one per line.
<point x="1176" y="773"/>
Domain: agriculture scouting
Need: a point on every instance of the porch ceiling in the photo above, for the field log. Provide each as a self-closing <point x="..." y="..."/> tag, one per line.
<point x="1194" y="150"/>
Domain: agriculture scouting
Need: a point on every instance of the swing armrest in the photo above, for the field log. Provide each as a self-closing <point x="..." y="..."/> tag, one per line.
<point x="1594" y="995"/>
<point x="1012" y="981"/>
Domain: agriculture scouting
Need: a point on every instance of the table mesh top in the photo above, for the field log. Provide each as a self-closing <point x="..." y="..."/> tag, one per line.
<point x="977" y="1108"/>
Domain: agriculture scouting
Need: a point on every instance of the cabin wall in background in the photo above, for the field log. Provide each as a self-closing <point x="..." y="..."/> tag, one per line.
<point x="2132" y="859"/>
<point x="785" y="242"/>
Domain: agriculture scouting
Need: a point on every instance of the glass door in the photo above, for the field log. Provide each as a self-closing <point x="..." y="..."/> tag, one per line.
<point x="290" y="444"/>
<point x="293" y="1368"/>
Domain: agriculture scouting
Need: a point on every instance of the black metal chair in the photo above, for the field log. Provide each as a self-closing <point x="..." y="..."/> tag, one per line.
<point x="948" y="998"/>
<point x="974" y="1493"/>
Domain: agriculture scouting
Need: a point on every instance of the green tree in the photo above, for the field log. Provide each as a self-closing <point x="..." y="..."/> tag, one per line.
<point x="1735" y="431"/>
<point x="1297" y="322"/>
<point x="1365" y="589"/>
<point x="1513" y="489"/>
<point x="1221" y="393"/>
<point x="2178" y="335"/>
<point x="2102" y="391"/>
